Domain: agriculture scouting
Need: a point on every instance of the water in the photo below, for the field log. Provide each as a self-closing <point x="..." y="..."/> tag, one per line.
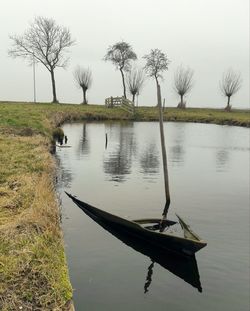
<point x="209" y="185"/>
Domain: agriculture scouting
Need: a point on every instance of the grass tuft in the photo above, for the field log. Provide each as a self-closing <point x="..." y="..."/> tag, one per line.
<point x="33" y="269"/>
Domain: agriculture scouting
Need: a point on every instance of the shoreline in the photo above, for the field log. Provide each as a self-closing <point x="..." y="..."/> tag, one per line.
<point x="33" y="265"/>
<point x="60" y="113"/>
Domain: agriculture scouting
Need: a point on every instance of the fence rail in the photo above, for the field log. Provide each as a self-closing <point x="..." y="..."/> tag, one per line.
<point x="122" y="102"/>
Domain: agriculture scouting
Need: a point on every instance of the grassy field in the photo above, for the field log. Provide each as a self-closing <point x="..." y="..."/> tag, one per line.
<point x="39" y="116"/>
<point x="33" y="269"/>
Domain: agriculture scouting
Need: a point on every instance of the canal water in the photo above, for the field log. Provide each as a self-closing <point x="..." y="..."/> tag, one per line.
<point x="209" y="185"/>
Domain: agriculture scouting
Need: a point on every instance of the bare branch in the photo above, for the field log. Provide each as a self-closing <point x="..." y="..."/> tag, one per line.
<point x="183" y="83"/>
<point x="231" y="83"/>
<point x="121" y="54"/>
<point x="156" y="63"/>
<point x="135" y="80"/>
<point x="83" y="79"/>
<point x="183" y="80"/>
<point x="46" y="42"/>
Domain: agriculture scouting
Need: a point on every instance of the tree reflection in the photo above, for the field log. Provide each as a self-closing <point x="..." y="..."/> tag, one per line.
<point x="84" y="145"/>
<point x="118" y="161"/>
<point x="222" y="158"/>
<point x="223" y="149"/>
<point x="177" y="151"/>
<point x="64" y="176"/>
<point x="149" y="160"/>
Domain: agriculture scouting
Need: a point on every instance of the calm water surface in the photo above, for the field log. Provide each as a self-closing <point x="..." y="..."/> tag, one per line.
<point x="209" y="184"/>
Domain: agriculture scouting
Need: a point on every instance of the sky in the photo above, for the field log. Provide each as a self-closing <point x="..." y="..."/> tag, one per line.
<point x="208" y="36"/>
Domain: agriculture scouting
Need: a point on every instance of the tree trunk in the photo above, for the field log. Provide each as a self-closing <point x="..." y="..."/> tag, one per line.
<point x="53" y="86"/>
<point x="156" y="80"/>
<point x="84" y="96"/>
<point x="123" y="83"/>
<point x="181" y="103"/>
<point x="228" y="107"/>
<point x="133" y="98"/>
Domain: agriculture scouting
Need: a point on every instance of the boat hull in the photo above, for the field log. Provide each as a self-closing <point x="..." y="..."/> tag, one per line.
<point x="184" y="267"/>
<point x="161" y="240"/>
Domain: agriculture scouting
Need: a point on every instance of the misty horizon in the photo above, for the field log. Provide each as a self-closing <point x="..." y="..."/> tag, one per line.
<point x="208" y="37"/>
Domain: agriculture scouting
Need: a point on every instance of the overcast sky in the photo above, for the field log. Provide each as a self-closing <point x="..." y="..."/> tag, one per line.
<point x="208" y="36"/>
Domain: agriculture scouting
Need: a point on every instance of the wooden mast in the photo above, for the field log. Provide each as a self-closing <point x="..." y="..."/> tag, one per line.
<point x="164" y="155"/>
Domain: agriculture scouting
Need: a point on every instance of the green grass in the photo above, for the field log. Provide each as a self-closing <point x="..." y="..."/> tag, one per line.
<point x="202" y="115"/>
<point x="41" y="117"/>
<point x="33" y="269"/>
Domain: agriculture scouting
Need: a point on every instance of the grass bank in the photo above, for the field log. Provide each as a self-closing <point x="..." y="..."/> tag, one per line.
<point x="40" y="117"/>
<point x="33" y="269"/>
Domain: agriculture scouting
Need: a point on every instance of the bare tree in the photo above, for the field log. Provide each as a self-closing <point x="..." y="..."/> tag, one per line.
<point x="83" y="78"/>
<point x="135" y="80"/>
<point x="121" y="54"/>
<point x="230" y="84"/>
<point x="156" y="63"/>
<point x="46" y="42"/>
<point x="183" y="83"/>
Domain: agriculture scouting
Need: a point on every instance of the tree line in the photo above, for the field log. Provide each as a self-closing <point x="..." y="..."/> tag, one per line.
<point x="48" y="43"/>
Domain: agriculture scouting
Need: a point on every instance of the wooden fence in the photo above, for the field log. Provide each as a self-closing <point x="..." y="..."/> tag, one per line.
<point x="122" y="102"/>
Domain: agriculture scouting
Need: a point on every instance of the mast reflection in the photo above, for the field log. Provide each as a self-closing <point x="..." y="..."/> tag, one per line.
<point x="149" y="277"/>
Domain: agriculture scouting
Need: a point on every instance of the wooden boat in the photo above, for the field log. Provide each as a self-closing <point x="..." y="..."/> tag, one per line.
<point x="184" y="267"/>
<point x="148" y="230"/>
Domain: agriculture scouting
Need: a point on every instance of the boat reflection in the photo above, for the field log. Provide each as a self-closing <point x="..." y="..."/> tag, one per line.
<point x="185" y="267"/>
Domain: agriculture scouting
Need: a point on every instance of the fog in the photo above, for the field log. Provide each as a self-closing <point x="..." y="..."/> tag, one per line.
<point x="207" y="36"/>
